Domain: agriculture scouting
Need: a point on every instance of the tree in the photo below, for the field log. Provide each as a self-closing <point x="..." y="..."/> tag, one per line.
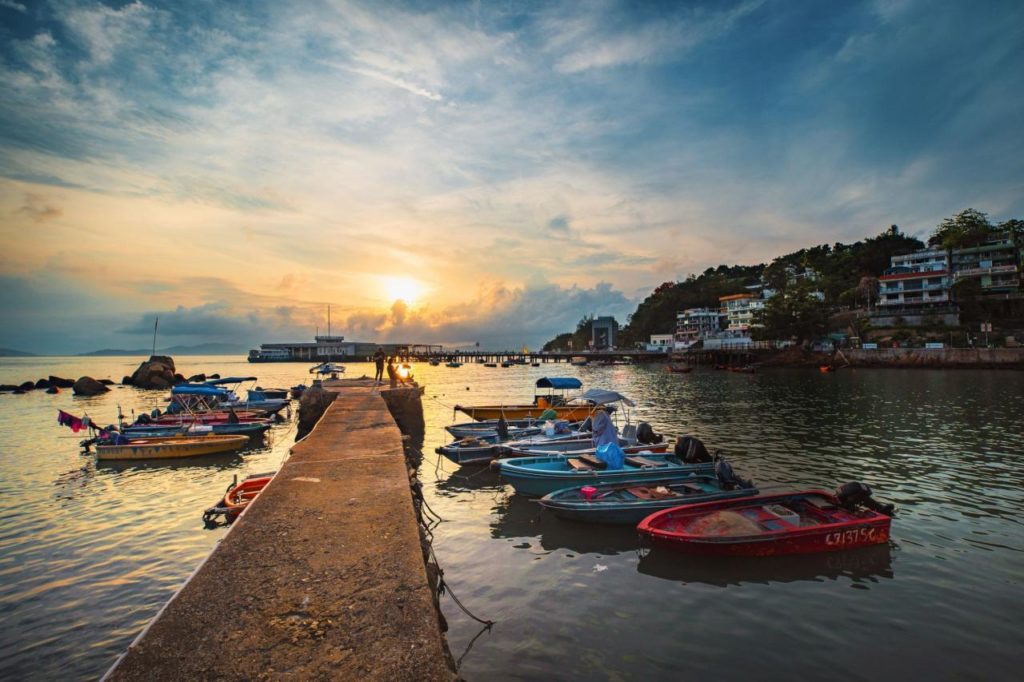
<point x="795" y="314"/>
<point x="967" y="228"/>
<point x="867" y="290"/>
<point x="1016" y="229"/>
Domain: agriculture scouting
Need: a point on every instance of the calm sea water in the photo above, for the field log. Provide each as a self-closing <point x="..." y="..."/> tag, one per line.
<point x="89" y="552"/>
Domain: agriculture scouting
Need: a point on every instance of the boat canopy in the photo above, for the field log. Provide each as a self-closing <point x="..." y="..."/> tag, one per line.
<point x="228" y="380"/>
<point x="599" y="396"/>
<point x="559" y="382"/>
<point x="198" y="389"/>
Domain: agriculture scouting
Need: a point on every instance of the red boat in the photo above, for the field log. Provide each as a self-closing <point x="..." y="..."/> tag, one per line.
<point x="679" y="369"/>
<point x="236" y="499"/>
<point x="786" y="523"/>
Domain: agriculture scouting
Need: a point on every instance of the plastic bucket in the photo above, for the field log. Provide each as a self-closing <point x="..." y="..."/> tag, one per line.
<point x="588" y="492"/>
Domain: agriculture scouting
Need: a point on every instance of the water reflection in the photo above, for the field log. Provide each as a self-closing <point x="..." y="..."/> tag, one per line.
<point x="516" y="516"/>
<point x="861" y="566"/>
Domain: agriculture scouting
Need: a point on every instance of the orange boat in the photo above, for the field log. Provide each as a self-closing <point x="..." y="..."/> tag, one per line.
<point x="678" y="369"/>
<point x="238" y="496"/>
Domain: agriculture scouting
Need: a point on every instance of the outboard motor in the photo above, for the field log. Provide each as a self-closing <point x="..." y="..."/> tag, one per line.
<point x="856" y="494"/>
<point x="646" y="435"/>
<point x="691" y="450"/>
<point x="728" y="478"/>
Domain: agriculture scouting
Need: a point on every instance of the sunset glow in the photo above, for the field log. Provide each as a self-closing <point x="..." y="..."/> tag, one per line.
<point x="404" y="289"/>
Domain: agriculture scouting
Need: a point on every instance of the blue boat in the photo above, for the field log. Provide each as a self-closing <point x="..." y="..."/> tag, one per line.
<point x="251" y="429"/>
<point x="539" y="476"/>
<point x="630" y="503"/>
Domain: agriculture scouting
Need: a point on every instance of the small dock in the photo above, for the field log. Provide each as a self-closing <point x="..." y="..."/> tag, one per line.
<point x="323" y="577"/>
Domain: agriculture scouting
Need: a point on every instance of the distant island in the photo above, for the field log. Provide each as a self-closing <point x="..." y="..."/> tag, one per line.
<point x="11" y="353"/>
<point x="199" y="349"/>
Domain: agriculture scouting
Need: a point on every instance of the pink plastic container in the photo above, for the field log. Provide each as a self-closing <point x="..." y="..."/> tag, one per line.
<point x="588" y="492"/>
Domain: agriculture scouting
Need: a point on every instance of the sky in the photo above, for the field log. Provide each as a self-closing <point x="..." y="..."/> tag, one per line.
<point x="468" y="172"/>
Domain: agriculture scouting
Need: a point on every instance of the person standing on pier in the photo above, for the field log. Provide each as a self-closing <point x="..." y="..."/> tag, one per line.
<point x="378" y="360"/>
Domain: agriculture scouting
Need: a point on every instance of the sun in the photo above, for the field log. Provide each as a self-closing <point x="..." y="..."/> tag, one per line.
<point x="405" y="288"/>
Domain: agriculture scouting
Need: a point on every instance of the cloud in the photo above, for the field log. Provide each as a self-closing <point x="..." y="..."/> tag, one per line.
<point x="595" y="39"/>
<point x="497" y="317"/>
<point x="10" y="4"/>
<point x="37" y="209"/>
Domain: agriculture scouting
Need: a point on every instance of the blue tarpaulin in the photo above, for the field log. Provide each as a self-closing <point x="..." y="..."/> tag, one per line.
<point x="559" y="382"/>
<point x="612" y="454"/>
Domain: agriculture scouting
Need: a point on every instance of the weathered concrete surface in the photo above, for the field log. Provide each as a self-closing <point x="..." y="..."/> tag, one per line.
<point x="321" y="578"/>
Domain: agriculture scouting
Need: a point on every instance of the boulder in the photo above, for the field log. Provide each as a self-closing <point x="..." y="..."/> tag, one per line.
<point x="19" y="391"/>
<point x="8" y="387"/>
<point x="42" y="383"/>
<point x="213" y="376"/>
<point x="60" y="382"/>
<point x="106" y="382"/>
<point x="179" y="379"/>
<point x="197" y="378"/>
<point x="52" y="389"/>
<point x="314" y="402"/>
<point x="155" y="373"/>
<point x="27" y="386"/>
<point x="126" y="381"/>
<point x="88" y="386"/>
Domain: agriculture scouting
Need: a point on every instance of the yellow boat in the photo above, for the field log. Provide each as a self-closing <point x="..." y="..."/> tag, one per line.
<point x="171" y="448"/>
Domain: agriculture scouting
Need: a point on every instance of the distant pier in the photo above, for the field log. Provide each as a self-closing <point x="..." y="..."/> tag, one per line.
<point x="322" y="577"/>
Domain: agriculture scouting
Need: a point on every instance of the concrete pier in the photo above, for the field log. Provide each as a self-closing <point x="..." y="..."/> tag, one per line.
<point x="322" y="577"/>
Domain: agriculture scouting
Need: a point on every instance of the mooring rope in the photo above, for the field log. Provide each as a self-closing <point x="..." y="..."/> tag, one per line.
<point x="420" y="504"/>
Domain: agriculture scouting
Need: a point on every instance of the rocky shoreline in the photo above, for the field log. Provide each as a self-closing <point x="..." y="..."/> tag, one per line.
<point x="157" y="373"/>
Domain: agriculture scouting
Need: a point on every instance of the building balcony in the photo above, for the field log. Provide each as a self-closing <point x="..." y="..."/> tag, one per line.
<point x="916" y="274"/>
<point x="977" y="272"/>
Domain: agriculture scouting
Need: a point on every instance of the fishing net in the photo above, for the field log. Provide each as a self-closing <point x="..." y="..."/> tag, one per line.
<point x="724" y="523"/>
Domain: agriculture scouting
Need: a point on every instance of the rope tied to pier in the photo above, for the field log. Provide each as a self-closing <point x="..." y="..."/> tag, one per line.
<point x="423" y="513"/>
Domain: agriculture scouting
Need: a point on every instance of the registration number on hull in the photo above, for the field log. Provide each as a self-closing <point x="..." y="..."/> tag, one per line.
<point x="858" y="536"/>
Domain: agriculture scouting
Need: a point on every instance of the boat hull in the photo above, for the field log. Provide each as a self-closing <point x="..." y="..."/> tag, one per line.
<point x="171" y="448"/>
<point x="674" y="528"/>
<point x="250" y="430"/>
<point x="572" y="413"/>
<point x="626" y="504"/>
<point x="239" y="496"/>
<point x="538" y="476"/>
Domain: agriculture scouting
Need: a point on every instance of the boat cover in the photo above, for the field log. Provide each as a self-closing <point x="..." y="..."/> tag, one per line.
<point x="599" y="396"/>
<point x="198" y="389"/>
<point x="228" y="380"/>
<point x="559" y="382"/>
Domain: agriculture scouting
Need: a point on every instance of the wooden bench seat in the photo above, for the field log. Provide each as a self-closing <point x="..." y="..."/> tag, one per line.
<point x="639" y="461"/>
<point x="577" y="465"/>
<point x="594" y="462"/>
